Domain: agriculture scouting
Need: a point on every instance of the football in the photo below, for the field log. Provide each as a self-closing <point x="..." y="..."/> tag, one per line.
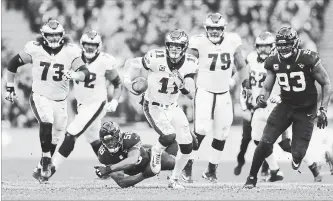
<point x="140" y="85"/>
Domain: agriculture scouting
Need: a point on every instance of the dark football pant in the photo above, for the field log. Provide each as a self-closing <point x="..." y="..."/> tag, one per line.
<point x="302" y="120"/>
<point x="246" y="139"/>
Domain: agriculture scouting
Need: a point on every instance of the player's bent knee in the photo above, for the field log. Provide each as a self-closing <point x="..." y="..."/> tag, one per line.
<point x="266" y="148"/>
<point x="67" y="145"/>
<point x="285" y="145"/>
<point x="197" y="143"/>
<point x="167" y="140"/>
<point x="218" y="144"/>
<point x="256" y="142"/>
<point x="186" y="148"/>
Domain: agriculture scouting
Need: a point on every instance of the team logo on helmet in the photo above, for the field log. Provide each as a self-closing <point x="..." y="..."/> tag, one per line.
<point x="215" y="24"/>
<point x="53" y="32"/>
<point x="91" y="44"/>
<point x="176" y="42"/>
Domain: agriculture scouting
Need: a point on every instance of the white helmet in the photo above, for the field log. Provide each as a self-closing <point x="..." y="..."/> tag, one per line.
<point x="52" y="28"/>
<point x="265" y="43"/>
<point x="176" y="37"/>
<point x="91" y="37"/>
<point x="215" y="24"/>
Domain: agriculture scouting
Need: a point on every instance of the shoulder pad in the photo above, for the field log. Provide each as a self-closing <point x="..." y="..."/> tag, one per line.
<point x="191" y="58"/>
<point x="252" y="56"/>
<point x="31" y="47"/>
<point x="107" y="57"/>
<point x="130" y="139"/>
<point x="310" y="57"/>
<point x="73" y="49"/>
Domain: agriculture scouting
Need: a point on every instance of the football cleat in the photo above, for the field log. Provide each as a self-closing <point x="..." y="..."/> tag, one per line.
<point x="318" y="178"/>
<point x="210" y="176"/>
<point x="36" y="173"/>
<point x="46" y="167"/>
<point x="46" y="179"/>
<point x="329" y="160"/>
<point x="295" y="166"/>
<point x="155" y="161"/>
<point x="251" y="182"/>
<point x="187" y="172"/>
<point x="276" y="175"/>
<point x="173" y="183"/>
<point x="238" y="168"/>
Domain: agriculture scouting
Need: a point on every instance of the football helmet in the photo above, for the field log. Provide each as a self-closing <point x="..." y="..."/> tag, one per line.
<point x="110" y="136"/>
<point x="91" y="44"/>
<point x="287" y="42"/>
<point x="215" y="24"/>
<point x="265" y="43"/>
<point x="53" y="33"/>
<point x="176" y="43"/>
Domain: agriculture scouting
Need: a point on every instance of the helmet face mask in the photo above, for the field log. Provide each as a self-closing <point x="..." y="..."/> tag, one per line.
<point x="264" y="51"/>
<point x="52" y="32"/>
<point x="265" y="43"/>
<point x="91" y="43"/>
<point x="215" y="24"/>
<point x="110" y="136"/>
<point x="176" y="43"/>
<point x="287" y="42"/>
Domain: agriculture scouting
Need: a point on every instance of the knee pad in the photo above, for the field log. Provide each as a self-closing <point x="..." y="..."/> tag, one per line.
<point x="45" y="136"/>
<point x="67" y="145"/>
<point x="167" y="140"/>
<point x="218" y="144"/>
<point x="200" y="138"/>
<point x="186" y="148"/>
<point x="266" y="148"/>
<point x="285" y="145"/>
<point x="256" y="142"/>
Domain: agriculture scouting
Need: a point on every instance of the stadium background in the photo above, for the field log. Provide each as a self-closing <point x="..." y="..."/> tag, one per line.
<point x="129" y="29"/>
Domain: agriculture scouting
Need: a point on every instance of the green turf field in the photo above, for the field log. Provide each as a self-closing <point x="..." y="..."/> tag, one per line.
<point x="76" y="178"/>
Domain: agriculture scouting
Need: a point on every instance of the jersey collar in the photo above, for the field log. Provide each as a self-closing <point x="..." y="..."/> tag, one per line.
<point x="89" y="60"/>
<point x="177" y="65"/>
<point x="51" y="51"/>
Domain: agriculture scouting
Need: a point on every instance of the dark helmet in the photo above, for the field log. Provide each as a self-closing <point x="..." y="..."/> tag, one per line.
<point x="287" y="42"/>
<point x="110" y="136"/>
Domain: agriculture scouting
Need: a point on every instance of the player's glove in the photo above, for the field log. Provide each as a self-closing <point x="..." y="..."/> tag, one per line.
<point x="322" y="118"/>
<point x="261" y="102"/>
<point x="179" y="79"/>
<point x="69" y="75"/>
<point x="112" y="105"/>
<point x="101" y="170"/>
<point x="10" y="94"/>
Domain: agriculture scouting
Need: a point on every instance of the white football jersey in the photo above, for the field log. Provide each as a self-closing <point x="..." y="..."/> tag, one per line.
<point x="258" y="76"/>
<point x="94" y="88"/>
<point x="161" y="82"/>
<point x="47" y="70"/>
<point x="215" y="61"/>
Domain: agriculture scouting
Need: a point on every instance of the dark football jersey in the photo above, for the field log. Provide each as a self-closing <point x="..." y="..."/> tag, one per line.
<point x="295" y="77"/>
<point x="129" y="140"/>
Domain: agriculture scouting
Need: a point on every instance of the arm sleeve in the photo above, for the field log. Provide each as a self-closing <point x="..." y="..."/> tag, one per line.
<point x="15" y="63"/>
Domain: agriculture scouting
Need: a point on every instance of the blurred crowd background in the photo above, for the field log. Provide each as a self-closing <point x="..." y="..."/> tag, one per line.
<point x="131" y="28"/>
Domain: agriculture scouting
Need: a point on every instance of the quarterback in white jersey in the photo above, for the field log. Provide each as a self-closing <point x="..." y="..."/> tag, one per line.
<point x="217" y="51"/>
<point x="54" y="61"/>
<point x="169" y="72"/>
<point x="91" y="96"/>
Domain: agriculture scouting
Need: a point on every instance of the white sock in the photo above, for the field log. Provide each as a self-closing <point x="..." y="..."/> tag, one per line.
<point x="214" y="156"/>
<point x="39" y="166"/>
<point x="57" y="159"/>
<point x="46" y="154"/>
<point x="159" y="147"/>
<point x="272" y="163"/>
<point x="194" y="155"/>
<point x="307" y="160"/>
<point x="180" y="162"/>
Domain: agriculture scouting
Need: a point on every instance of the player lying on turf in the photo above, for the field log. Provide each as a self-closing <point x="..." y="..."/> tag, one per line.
<point x="125" y="159"/>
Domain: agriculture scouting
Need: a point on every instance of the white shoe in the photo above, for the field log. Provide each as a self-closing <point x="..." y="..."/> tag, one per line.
<point x="155" y="161"/>
<point x="173" y="183"/>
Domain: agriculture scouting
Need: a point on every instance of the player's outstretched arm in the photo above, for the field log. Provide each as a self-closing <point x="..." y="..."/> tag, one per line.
<point x="18" y="60"/>
<point x="321" y="76"/>
<point x="126" y="181"/>
<point x="113" y="77"/>
<point x="134" y="68"/>
<point x="79" y="71"/>
<point x="242" y="70"/>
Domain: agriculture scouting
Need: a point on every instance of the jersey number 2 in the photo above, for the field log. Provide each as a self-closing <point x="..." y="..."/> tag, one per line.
<point x="164" y="81"/>
<point x="225" y="60"/>
<point x="58" y="73"/>
<point x="284" y="81"/>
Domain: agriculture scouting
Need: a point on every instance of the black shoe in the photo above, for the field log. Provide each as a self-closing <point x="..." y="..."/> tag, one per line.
<point x="46" y="167"/>
<point x="276" y="175"/>
<point x="238" y="168"/>
<point x="295" y="166"/>
<point x="46" y="179"/>
<point x="251" y="182"/>
<point x="187" y="172"/>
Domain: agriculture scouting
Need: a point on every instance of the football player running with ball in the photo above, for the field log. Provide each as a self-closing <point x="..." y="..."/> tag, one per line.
<point x="296" y="71"/>
<point x="216" y="50"/>
<point x="91" y="96"/>
<point x="54" y="61"/>
<point x="169" y="72"/>
<point x="125" y="159"/>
